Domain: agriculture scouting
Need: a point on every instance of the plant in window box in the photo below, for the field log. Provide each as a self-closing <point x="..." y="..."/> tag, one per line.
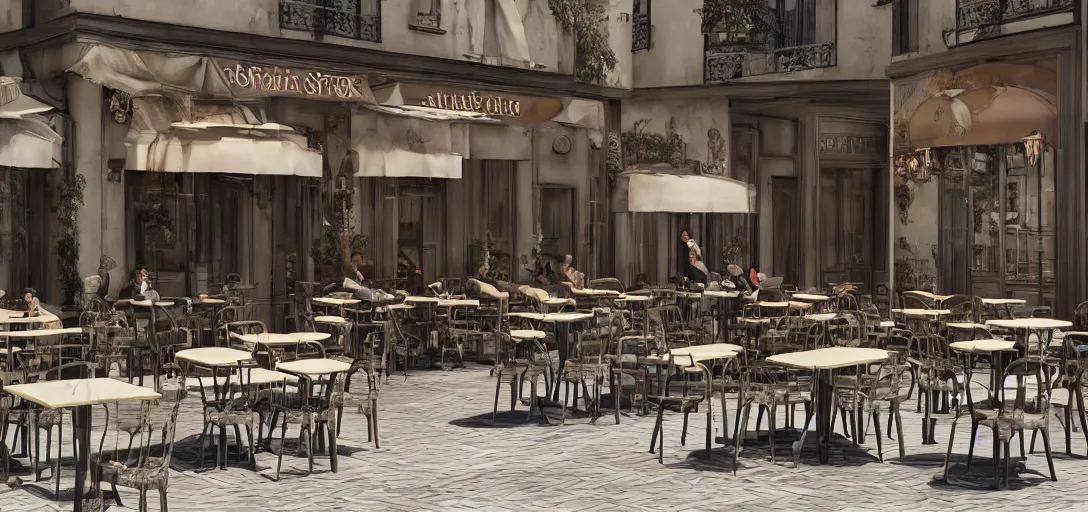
<point x="749" y="23"/>
<point x="593" y="56"/>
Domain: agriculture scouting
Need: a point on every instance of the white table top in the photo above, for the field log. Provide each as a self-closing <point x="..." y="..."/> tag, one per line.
<point x="527" y="334"/>
<point x="256" y="377"/>
<point x="1004" y="302"/>
<point x="921" y="313"/>
<point x="965" y="325"/>
<point x="148" y="303"/>
<point x="330" y="320"/>
<point x="983" y="346"/>
<point x="528" y="315"/>
<point x="830" y="358"/>
<point x="213" y="356"/>
<point x="450" y="303"/>
<point x="567" y="317"/>
<point x="821" y="317"/>
<point x="591" y="291"/>
<point x="399" y="306"/>
<point x="8" y="316"/>
<point x="329" y="301"/>
<point x="35" y="333"/>
<point x="314" y="366"/>
<point x="75" y="392"/>
<point x="558" y="301"/>
<point x="1031" y="323"/>
<point x="634" y="298"/>
<point x="699" y="353"/>
<point x="884" y="324"/>
<point x="210" y="301"/>
<point x="810" y="297"/>
<point x="421" y="300"/>
<point x="767" y="304"/>
<point x="275" y="338"/>
<point x="929" y="295"/>
<point x="721" y="294"/>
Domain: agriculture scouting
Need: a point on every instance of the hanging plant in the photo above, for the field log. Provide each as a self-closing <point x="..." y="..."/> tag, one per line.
<point x="641" y="147"/>
<point x="741" y="20"/>
<point x="593" y="56"/>
<point x="66" y="211"/>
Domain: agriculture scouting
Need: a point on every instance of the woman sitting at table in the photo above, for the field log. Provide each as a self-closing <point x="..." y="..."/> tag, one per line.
<point x="31" y="303"/>
<point x="697" y="271"/>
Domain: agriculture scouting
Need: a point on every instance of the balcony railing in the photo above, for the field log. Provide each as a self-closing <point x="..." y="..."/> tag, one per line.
<point x="354" y="19"/>
<point x="973" y="14"/>
<point x="728" y="63"/>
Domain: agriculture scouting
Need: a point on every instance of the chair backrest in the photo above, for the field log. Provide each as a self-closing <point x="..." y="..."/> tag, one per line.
<point x="606" y="283"/>
<point x="241" y="328"/>
<point x="913" y="300"/>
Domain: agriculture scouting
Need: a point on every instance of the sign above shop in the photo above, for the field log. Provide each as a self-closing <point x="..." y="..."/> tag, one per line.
<point x="849" y="144"/>
<point x="512" y="108"/>
<point x="494" y="106"/>
<point x="285" y="81"/>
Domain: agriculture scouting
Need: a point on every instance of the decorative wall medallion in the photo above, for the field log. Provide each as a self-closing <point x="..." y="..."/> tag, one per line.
<point x="561" y="145"/>
<point x="615" y="156"/>
<point x="120" y="104"/>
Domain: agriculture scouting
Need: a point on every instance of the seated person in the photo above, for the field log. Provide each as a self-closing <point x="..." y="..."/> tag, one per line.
<point x="32" y="305"/>
<point x="138" y="285"/>
<point x="572" y="274"/>
<point x="697" y="271"/>
<point x="363" y="290"/>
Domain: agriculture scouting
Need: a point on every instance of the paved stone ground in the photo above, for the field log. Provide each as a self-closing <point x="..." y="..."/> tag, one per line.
<point x="439" y="452"/>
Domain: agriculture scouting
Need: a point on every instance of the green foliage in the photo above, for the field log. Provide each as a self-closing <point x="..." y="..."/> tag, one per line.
<point x="752" y="18"/>
<point x="66" y="211"/>
<point x="593" y="57"/>
<point x="641" y="147"/>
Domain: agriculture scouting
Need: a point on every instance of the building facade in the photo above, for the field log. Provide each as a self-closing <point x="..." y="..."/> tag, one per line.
<point x="221" y="140"/>
<point x="988" y="133"/>
<point x="790" y="100"/>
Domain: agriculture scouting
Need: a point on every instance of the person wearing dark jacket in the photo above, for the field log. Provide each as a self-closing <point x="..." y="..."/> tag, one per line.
<point x="682" y="259"/>
<point x="137" y="285"/>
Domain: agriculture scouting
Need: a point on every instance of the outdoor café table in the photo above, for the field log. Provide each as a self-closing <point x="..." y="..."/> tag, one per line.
<point x="685" y="358"/>
<point x="823" y="362"/>
<point x="818" y="301"/>
<point x="10" y="317"/>
<point x="994" y="347"/>
<point x="1038" y="325"/>
<point x="336" y="303"/>
<point x="309" y="369"/>
<point x="936" y="299"/>
<point x="924" y="317"/>
<point x="80" y="395"/>
<point x="413" y="299"/>
<point x="35" y="334"/>
<point x="823" y="319"/>
<point x="274" y="342"/>
<point x="725" y="300"/>
<point x="562" y="323"/>
<point x="1005" y="304"/>
<point x="214" y="358"/>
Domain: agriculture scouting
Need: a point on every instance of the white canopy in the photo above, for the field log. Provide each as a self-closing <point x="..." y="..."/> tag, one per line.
<point x="641" y="191"/>
<point x="237" y="141"/>
<point x="411" y="141"/>
<point x="25" y="140"/>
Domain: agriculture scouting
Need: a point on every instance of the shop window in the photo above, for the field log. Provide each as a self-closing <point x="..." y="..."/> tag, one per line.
<point x="797" y="19"/>
<point x="904" y="26"/>
<point x="427" y="16"/>
<point x="640" y="26"/>
<point x="355" y="19"/>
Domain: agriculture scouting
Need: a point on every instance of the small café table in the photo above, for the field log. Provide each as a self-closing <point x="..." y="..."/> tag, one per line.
<point x="819" y="301"/>
<point x="214" y="358"/>
<point x="562" y="322"/>
<point x="1005" y="304"/>
<point x="11" y="317"/>
<point x="35" y="334"/>
<point x="309" y="369"/>
<point x="823" y="362"/>
<point x="994" y="347"/>
<point x="80" y="395"/>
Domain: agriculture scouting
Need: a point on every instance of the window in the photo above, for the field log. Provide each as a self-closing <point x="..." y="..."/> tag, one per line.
<point x="355" y="19"/>
<point x="904" y="26"/>
<point x="640" y="26"/>
<point x="427" y="16"/>
<point x="798" y="23"/>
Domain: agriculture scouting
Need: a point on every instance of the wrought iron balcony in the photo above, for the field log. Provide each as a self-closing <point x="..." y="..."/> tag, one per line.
<point x="354" y="19"/>
<point x="975" y="14"/>
<point x="729" y="63"/>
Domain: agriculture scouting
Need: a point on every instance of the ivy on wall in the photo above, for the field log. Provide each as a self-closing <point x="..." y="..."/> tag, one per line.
<point x="753" y="20"/>
<point x="331" y="251"/>
<point x="593" y="57"/>
<point x="66" y="211"/>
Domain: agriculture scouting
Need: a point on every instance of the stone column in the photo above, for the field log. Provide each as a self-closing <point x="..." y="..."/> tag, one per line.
<point x="810" y="197"/>
<point x="102" y="210"/>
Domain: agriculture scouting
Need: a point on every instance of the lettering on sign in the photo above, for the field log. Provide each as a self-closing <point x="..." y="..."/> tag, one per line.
<point x="313" y="83"/>
<point x="474" y="102"/>
<point x="849" y="144"/>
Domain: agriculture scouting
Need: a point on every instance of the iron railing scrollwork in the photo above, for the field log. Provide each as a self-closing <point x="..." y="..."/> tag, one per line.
<point x="353" y="19"/>
<point x="971" y="14"/>
<point x="640" y="26"/>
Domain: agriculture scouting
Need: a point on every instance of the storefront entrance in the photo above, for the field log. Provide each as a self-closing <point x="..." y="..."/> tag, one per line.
<point x="851" y="209"/>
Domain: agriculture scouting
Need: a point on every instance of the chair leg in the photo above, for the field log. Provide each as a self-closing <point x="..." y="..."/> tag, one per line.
<point x="1080" y="411"/>
<point x="332" y="446"/>
<point x="283" y="437"/>
<point x="725" y="420"/>
<point x="657" y="428"/>
<point x="1068" y="423"/>
<point x="948" y="454"/>
<point x="876" y="427"/>
<point x="738" y="434"/>
<point x="162" y="499"/>
<point x="498" y="387"/>
<point x="1049" y="454"/>
<point x="1020" y="436"/>
<point x="660" y="436"/>
<point x="971" y="446"/>
<point x="252" y="449"/>
<point x="684" y="431"/>
<point x="771" y="428"/>
<point x="899" y="432"/>
<point x="709" y="429"/>
<point x="374" y="420"/>
<point x="1007" y="457"/>
<point x="616" y="383"/>
<point x="143" y="500"/>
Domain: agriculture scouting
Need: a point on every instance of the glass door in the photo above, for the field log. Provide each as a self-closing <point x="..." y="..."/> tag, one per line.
<point x="847" y="208"/>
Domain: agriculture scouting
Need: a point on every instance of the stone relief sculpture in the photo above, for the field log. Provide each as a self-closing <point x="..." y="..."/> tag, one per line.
<point x="717" y="154"/>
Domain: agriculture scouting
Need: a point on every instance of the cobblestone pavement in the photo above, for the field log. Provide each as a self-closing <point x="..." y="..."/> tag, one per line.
<point x="439" y="452"/>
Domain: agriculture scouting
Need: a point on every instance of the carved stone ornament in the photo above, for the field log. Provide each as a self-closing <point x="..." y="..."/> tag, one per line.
<point x="120" y="104"/>
<point x="561" y="145"/>
<point x="615" y="152"/>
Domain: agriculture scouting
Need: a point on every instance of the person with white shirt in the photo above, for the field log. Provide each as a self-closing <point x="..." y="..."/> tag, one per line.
<point x="138" y="286"/>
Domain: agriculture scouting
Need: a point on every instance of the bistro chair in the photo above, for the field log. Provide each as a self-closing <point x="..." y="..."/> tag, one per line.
<point x="148" y="472"/>
<point x="767" y="387"/>
<point x="685" y="403"/>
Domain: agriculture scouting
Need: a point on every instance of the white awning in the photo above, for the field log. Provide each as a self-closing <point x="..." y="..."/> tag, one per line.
<point x="639" y="191"/>
<point x="225" y="139"/>
<point x="402" y="141"/>
<point x="218" y="150"/>
<point x="25" y="140"/>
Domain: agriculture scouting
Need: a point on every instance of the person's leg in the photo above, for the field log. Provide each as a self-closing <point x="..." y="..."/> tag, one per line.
<point x="363" y="293"/>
